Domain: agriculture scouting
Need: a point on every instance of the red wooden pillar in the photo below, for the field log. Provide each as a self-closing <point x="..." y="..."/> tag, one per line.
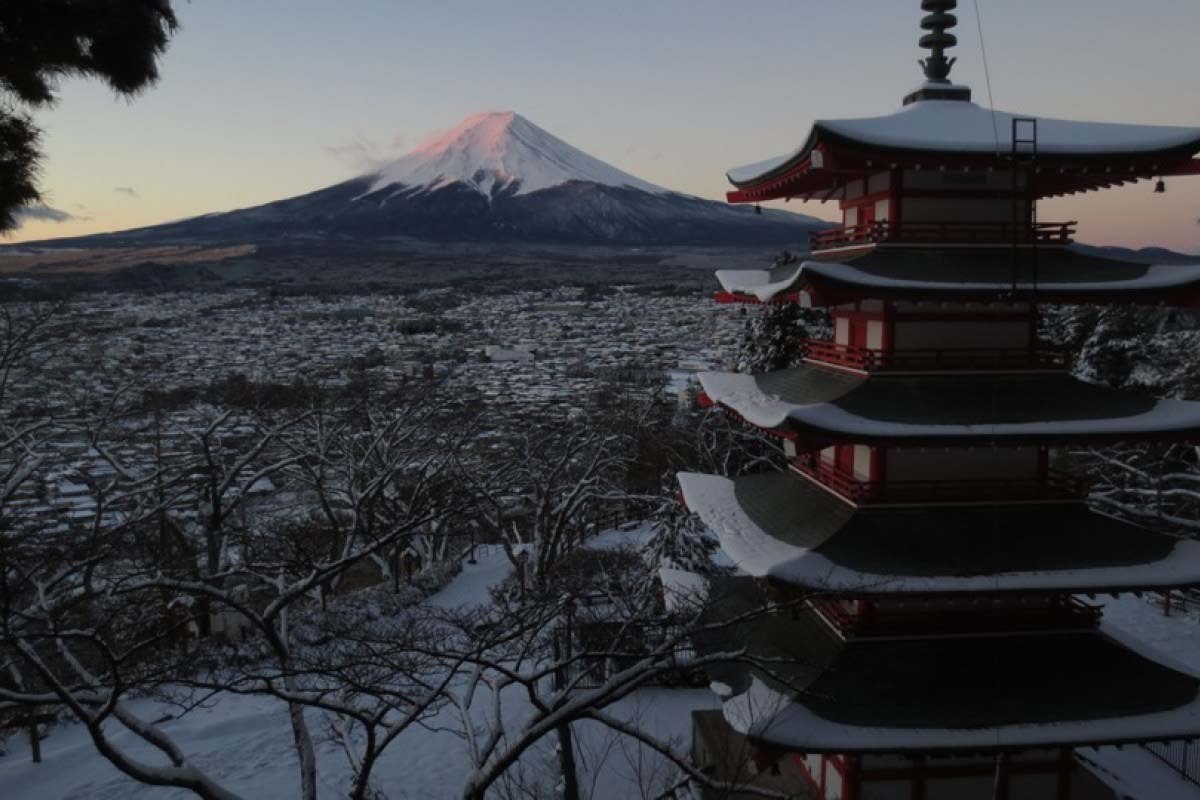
<point x="851" y="778"/>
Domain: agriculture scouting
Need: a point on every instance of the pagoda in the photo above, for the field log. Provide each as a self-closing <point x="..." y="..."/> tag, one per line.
<point x="947" y="642"/>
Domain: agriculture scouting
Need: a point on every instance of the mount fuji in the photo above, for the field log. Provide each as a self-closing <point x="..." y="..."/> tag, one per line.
<point x="494" y="177"/>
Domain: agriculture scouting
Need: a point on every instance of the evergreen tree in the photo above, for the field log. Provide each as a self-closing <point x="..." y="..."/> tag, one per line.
<point x="1151" y="349"/>
<point x="44" y="41"/>
<point x="774" y="338"/>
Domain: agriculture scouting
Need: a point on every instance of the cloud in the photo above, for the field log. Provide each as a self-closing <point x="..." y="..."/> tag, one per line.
<point x="40" y="212"/>
<point x="128" y="191"/>
<point x="366" y="154"/>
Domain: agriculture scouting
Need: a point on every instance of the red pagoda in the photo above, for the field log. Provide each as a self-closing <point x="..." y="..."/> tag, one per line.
<point x="947" y="647"/>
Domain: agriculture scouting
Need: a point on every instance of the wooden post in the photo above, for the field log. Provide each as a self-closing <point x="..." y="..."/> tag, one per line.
<point x="522" y="564"/>
<point x="35" y="741"/>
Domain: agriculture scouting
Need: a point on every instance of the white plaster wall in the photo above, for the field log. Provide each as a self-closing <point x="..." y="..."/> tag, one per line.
<point x="841" y="330"/>
<point x="875" y="334"/>
<point x="862" y="462"/>
<point x="833" y="783"/>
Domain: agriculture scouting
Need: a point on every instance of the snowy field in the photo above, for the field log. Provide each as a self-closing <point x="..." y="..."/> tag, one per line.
<point x="245" y="743"/>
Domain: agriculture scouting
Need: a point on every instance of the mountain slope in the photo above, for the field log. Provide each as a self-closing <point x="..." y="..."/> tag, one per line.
<point x="500" y="150"/>
<point x="495" y="177"/>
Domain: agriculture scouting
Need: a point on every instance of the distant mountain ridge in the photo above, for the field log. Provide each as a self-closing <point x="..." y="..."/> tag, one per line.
<point x="494" y="177"/>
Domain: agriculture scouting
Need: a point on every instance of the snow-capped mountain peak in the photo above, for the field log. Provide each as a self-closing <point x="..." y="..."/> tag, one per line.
<point x="494" y="150"/>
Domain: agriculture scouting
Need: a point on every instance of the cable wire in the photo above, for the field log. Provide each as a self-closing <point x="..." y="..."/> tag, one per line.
<point x="987" y="77"/>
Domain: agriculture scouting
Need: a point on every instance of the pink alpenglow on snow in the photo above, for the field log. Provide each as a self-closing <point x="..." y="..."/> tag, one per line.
<point x="494" y="150"/>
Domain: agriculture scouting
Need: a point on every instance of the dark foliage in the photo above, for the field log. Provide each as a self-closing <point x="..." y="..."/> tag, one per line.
<point x="44" y="41"/>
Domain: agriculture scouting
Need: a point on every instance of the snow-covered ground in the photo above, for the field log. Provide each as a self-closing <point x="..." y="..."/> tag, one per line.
<point x="245" y="743"/>
<point x="1175" y="640"/>
<point x="490" y="150"/>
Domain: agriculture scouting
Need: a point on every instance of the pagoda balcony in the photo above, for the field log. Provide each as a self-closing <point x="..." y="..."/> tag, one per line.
<point x="944" y="233"/>
<point x="1055" y="487"/>
<point x="1068" y="613"/>
<point x="864" y="359"/>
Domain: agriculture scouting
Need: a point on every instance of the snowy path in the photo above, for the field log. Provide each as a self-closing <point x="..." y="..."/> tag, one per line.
<point x="471" y="586"/>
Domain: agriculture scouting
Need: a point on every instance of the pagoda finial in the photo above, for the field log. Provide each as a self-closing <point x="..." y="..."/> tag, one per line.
<point x="937" y="84"/>
<point x="937" y="66"/>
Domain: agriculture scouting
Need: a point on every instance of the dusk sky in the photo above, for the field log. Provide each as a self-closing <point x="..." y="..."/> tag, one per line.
<point x="263" y="99"/>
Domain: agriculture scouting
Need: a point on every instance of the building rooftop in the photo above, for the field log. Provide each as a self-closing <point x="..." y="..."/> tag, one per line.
<point x="980" y="274"/>
<point x="817" y="693"/>
<point x="781" y="527"/>
<point x="940" y="127"/>
<point x="821" y="406"/>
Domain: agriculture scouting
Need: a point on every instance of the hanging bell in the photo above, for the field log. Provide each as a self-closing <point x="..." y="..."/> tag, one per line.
<point x="1160" y="187"/>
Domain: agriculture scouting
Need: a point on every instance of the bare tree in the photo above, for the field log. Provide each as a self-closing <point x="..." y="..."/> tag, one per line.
<point x="572" y="651"/>
<point x="541" y="486"/>
<point x="1159" y="483"/>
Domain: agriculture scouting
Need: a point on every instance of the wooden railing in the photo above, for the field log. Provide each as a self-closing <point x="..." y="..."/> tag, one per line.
<point x="937" y="359"/>
<point x="1182" y="757"/>
<point x="1067" y="613"/>
<point x="1047" y="233"/>
<point x="1055" y="486"/>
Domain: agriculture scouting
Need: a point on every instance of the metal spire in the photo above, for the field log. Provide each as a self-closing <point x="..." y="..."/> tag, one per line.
<point x="937" y="84"/>
<point x="937" y="66"/>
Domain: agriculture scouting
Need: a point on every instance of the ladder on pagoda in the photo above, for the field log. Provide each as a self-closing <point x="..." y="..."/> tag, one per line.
<point x="1024" y="207"/>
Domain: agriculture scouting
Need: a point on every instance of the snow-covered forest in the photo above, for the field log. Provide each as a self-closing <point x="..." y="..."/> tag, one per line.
<point x="373" y="576"/>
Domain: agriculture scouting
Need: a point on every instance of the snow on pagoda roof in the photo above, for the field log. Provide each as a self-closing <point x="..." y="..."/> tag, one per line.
<point x="780" y="526"/>
<point x="963" y="127"/>
<point x="769" y="714"/>
<point x="821" y="693"/>
<point x="942" y="271"/>
<point x="834" y="406"/>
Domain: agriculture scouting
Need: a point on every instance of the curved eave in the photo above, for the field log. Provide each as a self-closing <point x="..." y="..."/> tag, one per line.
<point x="770" y="717"/>
<point x="830" y="283"/>
<point x="1073" y="156"/>
<point x="829" y="414"/>
<point x="760" y="554"/>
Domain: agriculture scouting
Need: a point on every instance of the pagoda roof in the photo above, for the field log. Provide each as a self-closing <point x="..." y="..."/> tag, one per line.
<point x="950" y="694"/>
<point x="823" y="406"/>
<point x="781" y="527"/>
<point x="1064" y="275"/>
<point x="938" y="134"/>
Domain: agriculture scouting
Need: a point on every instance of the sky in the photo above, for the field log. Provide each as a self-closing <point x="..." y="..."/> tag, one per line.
<point x="265" y="99"/>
